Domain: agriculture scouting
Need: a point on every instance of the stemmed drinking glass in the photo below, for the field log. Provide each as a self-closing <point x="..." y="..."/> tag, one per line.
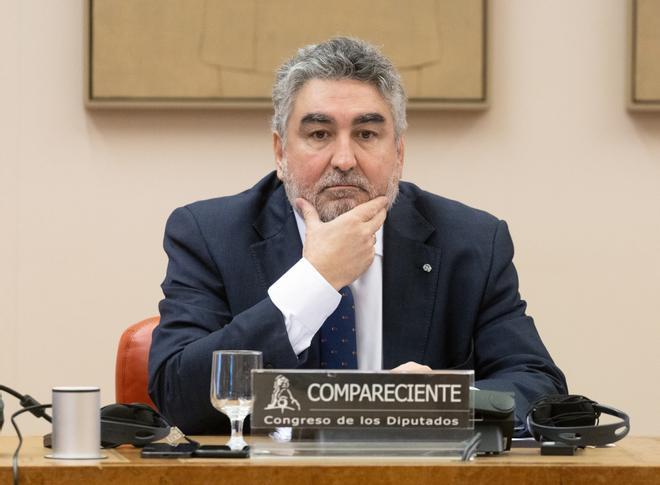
<point x="231" y="388"/>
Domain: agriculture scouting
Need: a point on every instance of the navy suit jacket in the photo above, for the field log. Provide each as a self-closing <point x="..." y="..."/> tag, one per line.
<point x="224" y="253"/>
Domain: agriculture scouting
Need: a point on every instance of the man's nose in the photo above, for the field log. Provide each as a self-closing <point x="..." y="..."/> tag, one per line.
<point x="343" y="157"/>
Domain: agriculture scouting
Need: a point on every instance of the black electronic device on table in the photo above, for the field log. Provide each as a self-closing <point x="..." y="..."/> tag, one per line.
<point x="221" y="451"/>
<point x="565" y="422"/>
<point x="493" y="419"/>
<point x="192" y="450"/>
<point x="165" y="450"/>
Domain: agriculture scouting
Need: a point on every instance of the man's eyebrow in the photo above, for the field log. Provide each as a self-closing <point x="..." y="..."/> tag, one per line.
<point x="316" y="118"/>
<point x="369" y="118"/>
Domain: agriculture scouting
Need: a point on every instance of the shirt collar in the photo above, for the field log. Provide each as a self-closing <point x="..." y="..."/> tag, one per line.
<point x="300" y="222"/>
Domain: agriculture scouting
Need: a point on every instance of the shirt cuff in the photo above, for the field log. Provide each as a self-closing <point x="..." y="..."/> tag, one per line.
<point x="306" y="300"/>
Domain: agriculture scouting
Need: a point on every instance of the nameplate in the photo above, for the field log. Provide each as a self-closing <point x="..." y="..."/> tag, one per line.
<point x="354" y="399"/>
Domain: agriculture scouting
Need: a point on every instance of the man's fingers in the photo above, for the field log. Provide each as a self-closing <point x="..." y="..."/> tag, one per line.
<point x="307" y="211"/>
<point x="412" y="367"/>
<point x="369" y="209"/>
<point x="377" y="221"/>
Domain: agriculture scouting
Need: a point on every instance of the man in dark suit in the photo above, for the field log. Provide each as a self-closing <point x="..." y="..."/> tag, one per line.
<point x="422" y="282"/>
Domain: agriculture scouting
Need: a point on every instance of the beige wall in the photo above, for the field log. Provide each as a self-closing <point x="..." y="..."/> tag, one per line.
<point x="84" y="196"/>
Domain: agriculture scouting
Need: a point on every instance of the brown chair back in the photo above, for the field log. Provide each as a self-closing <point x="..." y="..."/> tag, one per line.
<point x="131" y="376"/>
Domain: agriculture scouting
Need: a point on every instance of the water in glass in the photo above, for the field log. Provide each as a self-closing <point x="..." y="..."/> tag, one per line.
<point x="231" y="388"/>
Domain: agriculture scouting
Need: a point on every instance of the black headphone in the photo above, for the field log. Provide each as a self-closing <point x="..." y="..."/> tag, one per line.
<point x="136" y="424"/>
<point x="128" y="424"/>
<point x="573" y="420"/>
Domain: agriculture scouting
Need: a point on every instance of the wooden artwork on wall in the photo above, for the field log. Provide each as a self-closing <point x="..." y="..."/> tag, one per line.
<point x="222" y="53"/>
<point x="644" y="75"/>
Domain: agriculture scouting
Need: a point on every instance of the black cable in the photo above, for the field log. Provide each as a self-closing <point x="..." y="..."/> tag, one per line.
<point x="28" y="401"/>
<point x="14" y="460"/>
<point x="9" y="390"/>
<point x="191" y="441"/>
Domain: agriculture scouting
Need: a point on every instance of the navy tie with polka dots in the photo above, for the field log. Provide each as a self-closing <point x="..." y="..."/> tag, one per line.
<point x="338" y="342"/>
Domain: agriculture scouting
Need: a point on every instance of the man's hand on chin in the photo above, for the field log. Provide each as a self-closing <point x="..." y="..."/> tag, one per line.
<point x="342" y="249"/>
<point x="412" y="367"/>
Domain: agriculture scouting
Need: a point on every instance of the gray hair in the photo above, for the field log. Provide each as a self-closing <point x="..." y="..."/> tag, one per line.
<point x="335" y="59"/>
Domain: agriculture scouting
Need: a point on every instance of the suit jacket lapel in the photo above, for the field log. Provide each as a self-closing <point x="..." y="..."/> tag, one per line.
<point x="279" y="250"/>
<point x="280" y="247"/>
<point x="410" y="280"/>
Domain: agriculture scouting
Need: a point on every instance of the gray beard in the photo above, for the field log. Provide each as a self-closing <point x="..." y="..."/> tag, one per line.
<point x="329" y="210"/>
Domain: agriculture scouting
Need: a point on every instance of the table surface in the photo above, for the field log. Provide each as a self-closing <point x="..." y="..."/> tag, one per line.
<point x="634" y="460"/>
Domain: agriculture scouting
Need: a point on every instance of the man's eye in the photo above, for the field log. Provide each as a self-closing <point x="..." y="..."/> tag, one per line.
<point x="319" y="135"/>
<point x="366" y="135"/>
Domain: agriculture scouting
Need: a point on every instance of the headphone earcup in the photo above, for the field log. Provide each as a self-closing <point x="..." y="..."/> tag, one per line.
<point x="136" y="424"/>
<point x="574" y="420"/>
<point x="564" y="410"/>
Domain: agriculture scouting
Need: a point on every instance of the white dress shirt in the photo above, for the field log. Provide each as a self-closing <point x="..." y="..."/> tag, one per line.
<point x="306" y="300"/>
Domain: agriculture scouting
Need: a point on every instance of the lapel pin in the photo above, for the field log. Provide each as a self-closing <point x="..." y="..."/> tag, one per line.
<point x="427" y="267"/>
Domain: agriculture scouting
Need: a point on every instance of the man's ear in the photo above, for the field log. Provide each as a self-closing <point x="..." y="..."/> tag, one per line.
<point x="278" y="150"/>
